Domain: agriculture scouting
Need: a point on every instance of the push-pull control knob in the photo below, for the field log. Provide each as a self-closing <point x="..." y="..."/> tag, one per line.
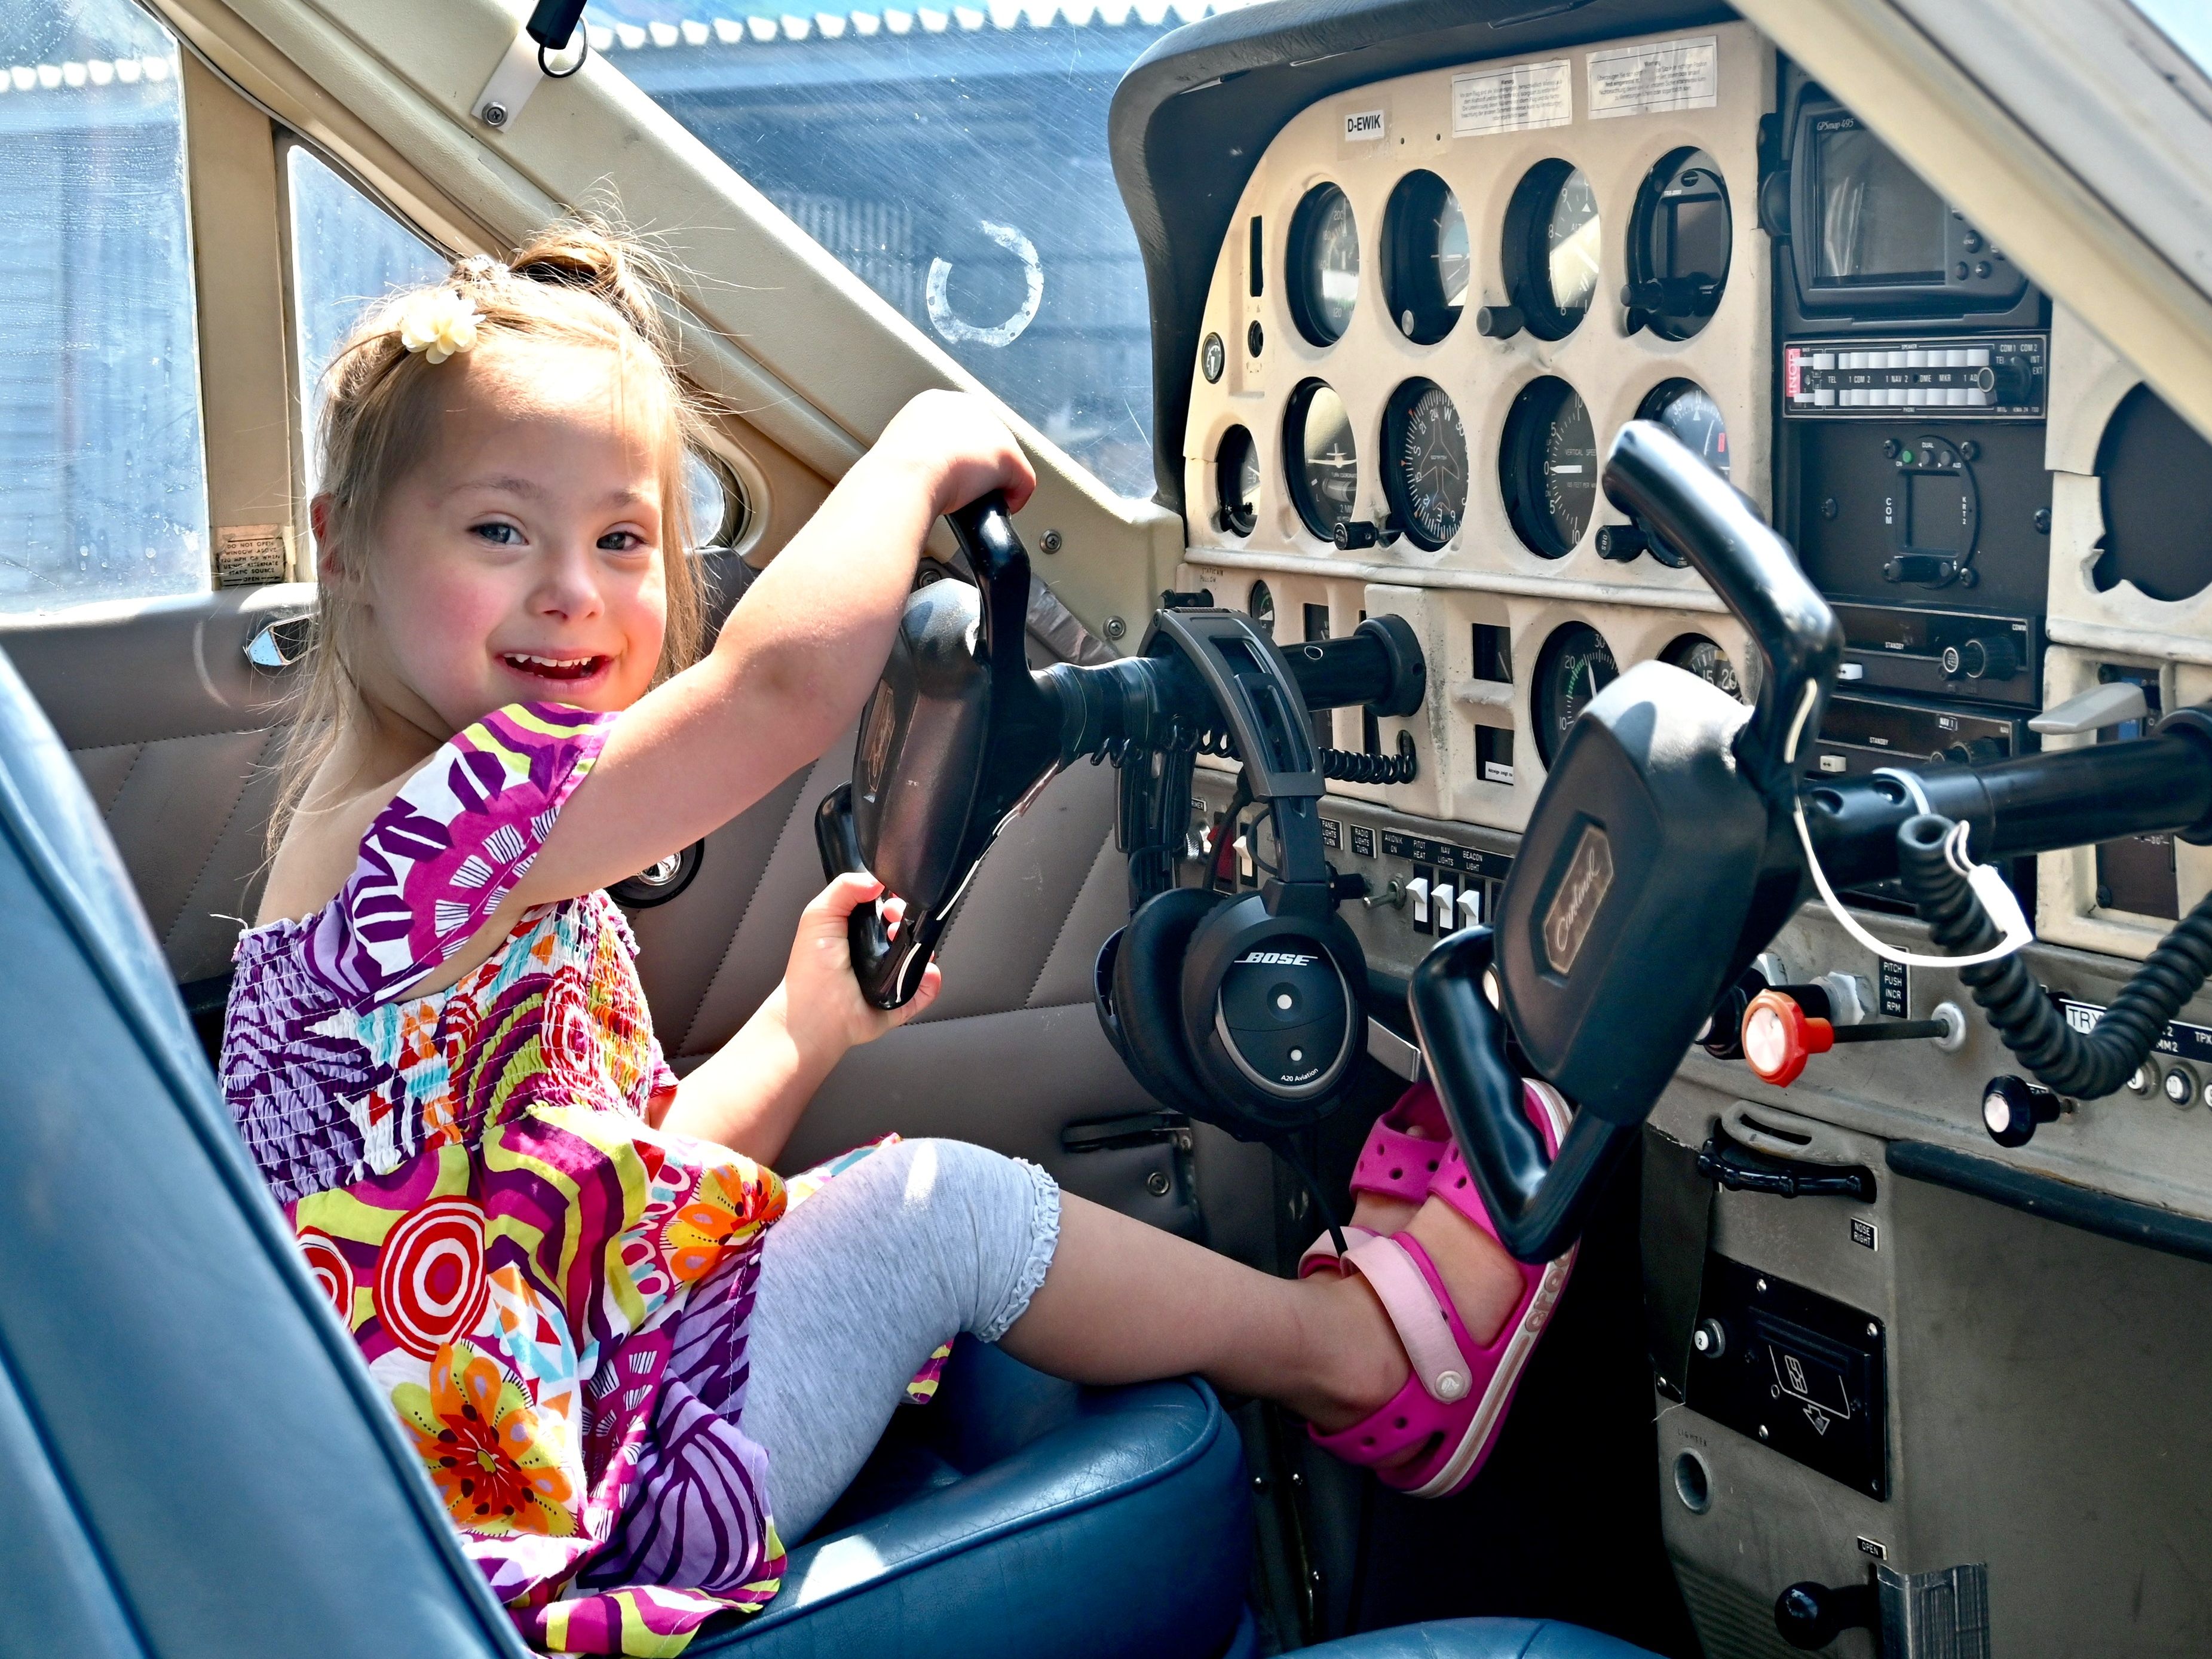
<point x="1498" y="322"/>
<point x="1811" y="1616"/>
<point x="2012" y="1107"/>
<point x="1779" y="1035"/>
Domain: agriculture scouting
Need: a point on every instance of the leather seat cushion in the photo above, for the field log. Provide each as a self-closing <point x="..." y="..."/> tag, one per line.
<point x="1480" y="1638"/>
<point x="1016" y="1515"/>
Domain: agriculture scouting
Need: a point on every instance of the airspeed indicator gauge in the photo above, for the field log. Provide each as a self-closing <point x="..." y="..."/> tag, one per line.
<point x="1574" y="666"/>
<point x="1324" y="259"/>
<point x="1424" y="462"/>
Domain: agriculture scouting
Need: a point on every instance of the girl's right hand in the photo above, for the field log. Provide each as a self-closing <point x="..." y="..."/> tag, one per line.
<point x="961" y="447"/>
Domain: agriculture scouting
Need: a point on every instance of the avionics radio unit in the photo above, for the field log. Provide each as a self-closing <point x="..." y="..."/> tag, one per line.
<point x="1988" y="376"/>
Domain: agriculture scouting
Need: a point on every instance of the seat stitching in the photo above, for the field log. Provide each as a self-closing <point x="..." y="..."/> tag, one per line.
<point x="1066" y="921"/>
<point x="173" y="737"/>
<point x="238" y="800"/>
<point x="760" y="876"/>
<point x="108" y="805"/>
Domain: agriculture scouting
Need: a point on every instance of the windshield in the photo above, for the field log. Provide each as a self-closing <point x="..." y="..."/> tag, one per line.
<point x="955" y="160"/>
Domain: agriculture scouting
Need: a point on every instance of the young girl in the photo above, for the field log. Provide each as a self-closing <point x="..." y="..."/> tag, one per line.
<point x="627" y="1374"/>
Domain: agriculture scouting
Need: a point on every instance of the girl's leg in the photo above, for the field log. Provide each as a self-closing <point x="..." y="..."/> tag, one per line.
<point x="1124" y="1302"/>
<point x="906" y="1250"/>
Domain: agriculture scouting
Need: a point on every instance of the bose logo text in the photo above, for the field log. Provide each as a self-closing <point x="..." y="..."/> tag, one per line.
<point x="1276" y="959"/>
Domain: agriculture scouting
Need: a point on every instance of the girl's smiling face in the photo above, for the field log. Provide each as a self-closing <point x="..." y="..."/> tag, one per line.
<point x="520" y="559"/>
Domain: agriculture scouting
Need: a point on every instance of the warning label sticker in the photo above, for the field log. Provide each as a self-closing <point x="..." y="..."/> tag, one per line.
<point x="248" y="555"/>
<point x="1648" y="80"/>
<point x="1517" y="99"/>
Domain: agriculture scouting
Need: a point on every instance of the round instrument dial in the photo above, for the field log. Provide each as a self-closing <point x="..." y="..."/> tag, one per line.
<point x="1320" y="458"/>
<point x="1688" y="410"/>
<point x="1237" y="481"/>
<point x="1679" y="244"/>
<point x="1324" y="253"/>
<point x="1426" y="261"/>
<point x="1574" y="666"/>
<point x="1425" y="470"/>
<point x="1260" y="606"/>
<point x="1552" y="243"/>
<point x="1548" y="467"/>
<point x="1696" y="655"/>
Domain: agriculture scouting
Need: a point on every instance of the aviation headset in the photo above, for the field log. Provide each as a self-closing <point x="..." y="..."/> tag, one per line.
<point x="1244" y="1011"/>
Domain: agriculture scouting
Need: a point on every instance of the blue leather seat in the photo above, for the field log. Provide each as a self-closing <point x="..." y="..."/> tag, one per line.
<point x="194" y="1462"/>
<point x="1480" y="1639"/>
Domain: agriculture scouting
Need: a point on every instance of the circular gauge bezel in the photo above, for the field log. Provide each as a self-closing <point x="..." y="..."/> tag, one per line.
<point x="1523" y="465"/>
<point x="1656" y="402"/>
<point x="1311" y="511"/>
<point x="1526" y="250"/>
<point x="1651" y="223"/>
<point x="1413" y="284"/>
<point x="1680" y="650"/>
<point x="1237" y="457"/>
<point x="1259" y="606"/>
<point x="1302" y="257"/>
<point x="1397" y="415"/>
<point x="1542" y="712"/>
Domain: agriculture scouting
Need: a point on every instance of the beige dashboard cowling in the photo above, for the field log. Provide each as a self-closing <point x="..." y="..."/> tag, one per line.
<point x="1485" y="575"/>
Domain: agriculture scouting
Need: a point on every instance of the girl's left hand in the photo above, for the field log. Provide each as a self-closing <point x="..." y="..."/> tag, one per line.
<point x="822" y="1004"/>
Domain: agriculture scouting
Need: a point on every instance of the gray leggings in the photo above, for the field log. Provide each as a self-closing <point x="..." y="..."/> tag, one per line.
<point x="908" y="1248"/>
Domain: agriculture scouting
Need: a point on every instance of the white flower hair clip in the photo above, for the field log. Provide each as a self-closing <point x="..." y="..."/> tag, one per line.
<point x="437" y="322"/>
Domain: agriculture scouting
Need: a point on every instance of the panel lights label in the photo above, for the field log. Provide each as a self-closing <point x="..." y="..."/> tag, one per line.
<point x="1522" y="99"/>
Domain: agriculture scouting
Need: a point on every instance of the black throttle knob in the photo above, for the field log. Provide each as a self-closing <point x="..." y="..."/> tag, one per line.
<point x="1811" y="1615"/>
<point x="2012" y="1107"/>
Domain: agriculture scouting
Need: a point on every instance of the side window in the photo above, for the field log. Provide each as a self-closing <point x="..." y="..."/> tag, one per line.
<point x="347" y="254"/>
<point x="103" y="483"/>
<point x="955" y="159"/>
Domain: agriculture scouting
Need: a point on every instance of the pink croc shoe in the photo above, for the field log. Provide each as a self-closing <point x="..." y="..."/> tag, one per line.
<point x="1450" y="1409"/>
<point x="1394" y="1164"/>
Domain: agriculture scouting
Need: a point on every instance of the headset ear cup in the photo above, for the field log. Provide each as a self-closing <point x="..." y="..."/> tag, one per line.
<point x="1102" y="992"/>
<point x="1214" y="949"/>
<point x="1147" y="995"/>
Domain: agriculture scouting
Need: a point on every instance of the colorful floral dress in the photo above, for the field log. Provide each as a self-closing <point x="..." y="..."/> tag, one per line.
<point x="553" y="1294"/>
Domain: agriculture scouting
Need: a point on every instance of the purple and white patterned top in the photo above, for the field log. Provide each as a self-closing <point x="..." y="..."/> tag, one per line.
<point x="553" y="1294"/>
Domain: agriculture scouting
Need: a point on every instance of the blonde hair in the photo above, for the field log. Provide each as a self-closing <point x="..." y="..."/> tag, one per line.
<point x="582" y="282"/>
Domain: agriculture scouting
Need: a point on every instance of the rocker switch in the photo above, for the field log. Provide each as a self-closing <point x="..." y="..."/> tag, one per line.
<point x="1244" y="856"/>
<point x="1440" y="905"/>
<point x="1470" y="907"/>
<point x="1417" y="890"/>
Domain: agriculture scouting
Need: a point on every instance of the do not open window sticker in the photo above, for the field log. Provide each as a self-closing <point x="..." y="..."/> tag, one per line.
<point x="957" y="330"/>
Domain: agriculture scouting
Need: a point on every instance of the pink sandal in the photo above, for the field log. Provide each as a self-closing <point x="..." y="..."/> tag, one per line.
<point x="1394" y="1164"/>
<point x="1457" y="1397"/>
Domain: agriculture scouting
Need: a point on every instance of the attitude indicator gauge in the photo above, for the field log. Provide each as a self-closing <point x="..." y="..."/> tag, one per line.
<point x="1320" y="463"/>
<point x="1424" y="462"/>
<point x="1574" y="666"/>
<point x="1548" y="467"/>
<point x="1426" y="261"/>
